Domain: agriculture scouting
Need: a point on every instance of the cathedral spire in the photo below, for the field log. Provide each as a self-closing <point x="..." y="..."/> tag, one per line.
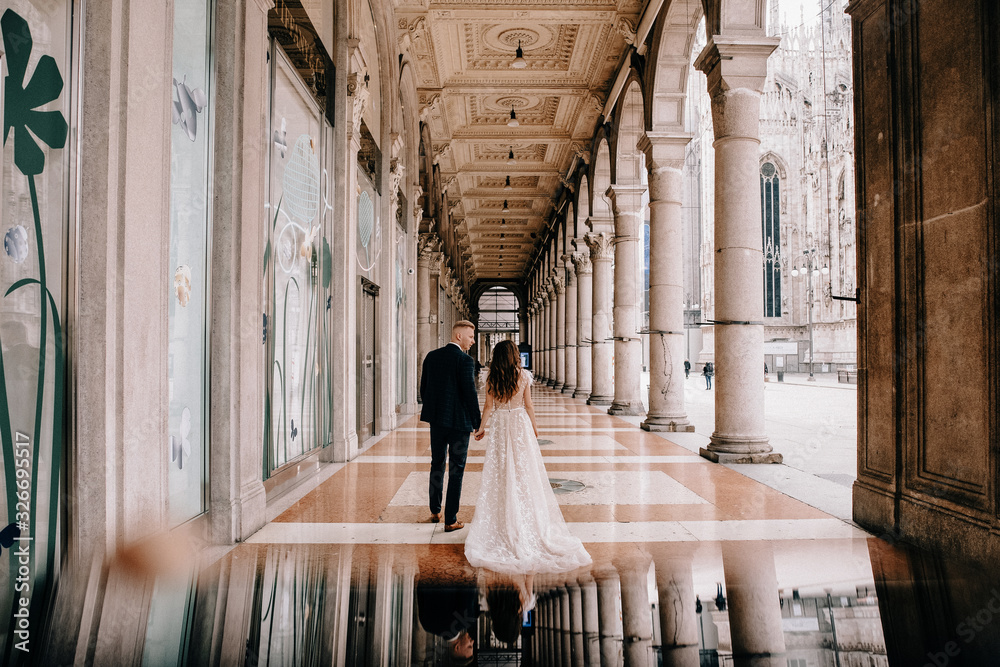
<point x="773" y="20"/>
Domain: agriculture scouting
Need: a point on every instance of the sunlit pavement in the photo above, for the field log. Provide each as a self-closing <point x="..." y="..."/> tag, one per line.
<point x="813" y="425"/>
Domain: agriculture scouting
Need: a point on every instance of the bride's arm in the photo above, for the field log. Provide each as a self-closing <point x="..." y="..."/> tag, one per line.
<point x="530" y="409"/>
<point x="487" y="411"/>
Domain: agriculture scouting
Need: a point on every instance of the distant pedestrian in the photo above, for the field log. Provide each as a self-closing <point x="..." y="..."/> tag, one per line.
<point x="765" y="368"/>
<point x="687" y="369"/>
<point x="708" y="371"/>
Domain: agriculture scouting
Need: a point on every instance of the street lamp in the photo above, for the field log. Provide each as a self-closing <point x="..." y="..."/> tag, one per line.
<point x="811" y="270"/>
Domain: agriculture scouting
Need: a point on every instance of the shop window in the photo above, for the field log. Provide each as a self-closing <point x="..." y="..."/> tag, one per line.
<point x="297" y="270"/>
<point x="188" y="310"/>
<point x="36" y="104"/>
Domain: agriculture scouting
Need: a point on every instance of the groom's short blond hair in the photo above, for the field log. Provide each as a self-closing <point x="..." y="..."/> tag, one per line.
<point x="462" y="324"/>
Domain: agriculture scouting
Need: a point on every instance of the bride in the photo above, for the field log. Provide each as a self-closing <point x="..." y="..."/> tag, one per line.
<point x="518" y="527"/>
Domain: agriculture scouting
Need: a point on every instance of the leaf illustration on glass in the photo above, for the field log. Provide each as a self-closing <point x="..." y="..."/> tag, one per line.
<point x="21" y="102"/>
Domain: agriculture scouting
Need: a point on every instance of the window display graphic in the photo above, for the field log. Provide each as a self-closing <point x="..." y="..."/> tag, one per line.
<point x="369" y="233"/>
<point x="15" y="243"/>
<point x="31" y="417"/>
<point x="185" y="109"/>
<point x="294" y="262"/>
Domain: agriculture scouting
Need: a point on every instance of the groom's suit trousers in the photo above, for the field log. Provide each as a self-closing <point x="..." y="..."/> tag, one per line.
<point x="454" y="444"/>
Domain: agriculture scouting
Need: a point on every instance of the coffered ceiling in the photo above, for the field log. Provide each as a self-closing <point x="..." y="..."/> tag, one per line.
<point x="467" y="87"/>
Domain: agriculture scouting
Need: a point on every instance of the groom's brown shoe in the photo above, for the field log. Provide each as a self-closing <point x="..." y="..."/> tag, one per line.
<point x="458" y="525"/>
<point x="436" y="518"/>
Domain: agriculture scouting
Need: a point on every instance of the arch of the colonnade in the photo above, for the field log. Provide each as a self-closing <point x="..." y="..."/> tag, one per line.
<point x="497" y="313"/>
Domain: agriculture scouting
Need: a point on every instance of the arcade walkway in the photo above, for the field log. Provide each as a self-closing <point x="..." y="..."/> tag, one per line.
<point x="618" y="484"/>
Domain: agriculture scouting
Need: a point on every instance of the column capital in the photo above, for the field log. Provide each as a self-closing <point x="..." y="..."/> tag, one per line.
<point x="427" y="246"/>
<point x="435" y="263"/>
<point x="731" y="62"/>
<point x="626" y="198"/>
<point x="559" y="284"/>
<point x="581" y="261"/>
<point x="601" y="246"/>
<point x="664" y="149"/>
<point x="597" y="223"/>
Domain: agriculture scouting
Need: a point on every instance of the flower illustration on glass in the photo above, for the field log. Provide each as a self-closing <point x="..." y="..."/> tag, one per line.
<point x="15" y="243"/>
<point x="182" y="284"/>
<point x="21" y="102"/>
<point x="185" y="109"/>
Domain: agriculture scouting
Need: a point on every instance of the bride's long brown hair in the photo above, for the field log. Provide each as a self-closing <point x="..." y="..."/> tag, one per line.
<point x="505" y="371"/>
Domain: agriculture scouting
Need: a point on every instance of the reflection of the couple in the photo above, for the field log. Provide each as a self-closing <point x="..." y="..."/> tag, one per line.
<point x="467" y="607"/>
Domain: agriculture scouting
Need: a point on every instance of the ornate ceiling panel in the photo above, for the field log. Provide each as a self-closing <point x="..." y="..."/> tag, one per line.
<point x="467" y="87"/>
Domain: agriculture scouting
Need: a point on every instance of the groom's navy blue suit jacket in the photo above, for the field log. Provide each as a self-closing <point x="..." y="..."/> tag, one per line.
<point x="448" y="390"/>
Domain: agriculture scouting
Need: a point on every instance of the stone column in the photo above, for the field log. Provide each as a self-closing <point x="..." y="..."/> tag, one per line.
<point x="557" y="627"/>
<point x="426" y="250"/>
<point x="571" y="306"/>
<point x="237" y="493"/>
<point x="566" y="621"/>
<point x="543" y="333"/>
<point x="602" y="390"/>
<point x="434" y="287"/>
<point x="576" y="623"/>
<point x="678" y="619"/>
<point x="542" y="628"/>
<point x="555" y="641"/>
<point x="754" y="609"/>
<point x="610" y="620"/>
<point x="560" y="285"/>
<point x="591" y="622"/>
<point x="736" y="69"/>
<point x="553" y="330"/>
<point x="627" y="203"/>
<point x="665" y="161"/>
<point x="637" y="620"/>
<point x="585" y="325"/>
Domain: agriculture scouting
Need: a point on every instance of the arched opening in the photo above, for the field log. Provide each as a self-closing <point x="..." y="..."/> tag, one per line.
<point x="499" y="320"/>
<point x="600" y="205"/>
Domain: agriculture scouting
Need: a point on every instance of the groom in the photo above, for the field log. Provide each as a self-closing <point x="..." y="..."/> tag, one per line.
<point x="451" y="407"/>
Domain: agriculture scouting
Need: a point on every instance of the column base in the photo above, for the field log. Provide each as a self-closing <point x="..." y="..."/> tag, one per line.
<point x="600" y="400"/>
<point x="568" y="389"/>
<point x="633" y="409"/>
<point x="740" y="457"/>
<point x="558" y="386"/>
<point x="581" y="393"/>
<point x="674" y="425"/>
<point x="551" y="383"/>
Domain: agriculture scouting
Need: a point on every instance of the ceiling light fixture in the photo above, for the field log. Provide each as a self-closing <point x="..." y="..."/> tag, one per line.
<point x="505" y="209"/>
<point x="507" y="185"/>
<point x="510" y="157"/>
<point x="518" y="62"/>
<point x="513" y="118"/>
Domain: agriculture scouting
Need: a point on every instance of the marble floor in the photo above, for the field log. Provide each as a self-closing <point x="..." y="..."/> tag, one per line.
<point x="694" y="563"/>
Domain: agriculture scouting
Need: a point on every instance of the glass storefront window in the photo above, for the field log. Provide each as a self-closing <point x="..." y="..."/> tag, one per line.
<point x="34" y="222"/>
<point x="297" y="259"/>
<point x="190" y="196"/>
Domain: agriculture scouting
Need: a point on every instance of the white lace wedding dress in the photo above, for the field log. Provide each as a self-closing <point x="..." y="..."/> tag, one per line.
<point x="518" y="527"/>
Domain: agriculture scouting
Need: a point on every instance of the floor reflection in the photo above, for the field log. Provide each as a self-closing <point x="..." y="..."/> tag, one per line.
<point x="800" y="603"/>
